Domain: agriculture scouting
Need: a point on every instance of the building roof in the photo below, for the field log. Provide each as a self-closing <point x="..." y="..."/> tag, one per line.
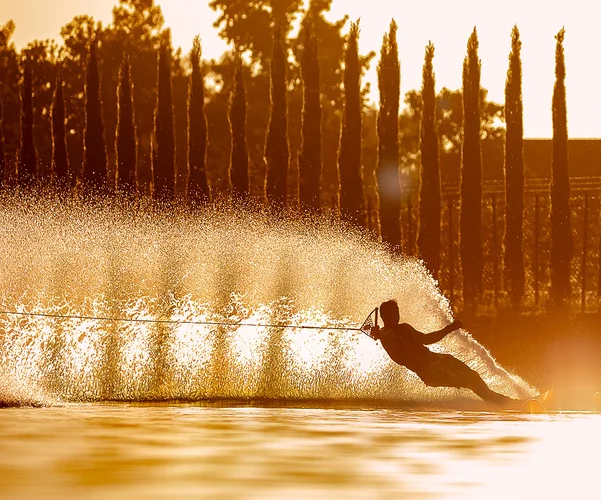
<point x="584" y="157"/>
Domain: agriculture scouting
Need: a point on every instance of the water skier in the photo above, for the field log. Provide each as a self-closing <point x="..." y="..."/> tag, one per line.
<point x="407" y="347"/>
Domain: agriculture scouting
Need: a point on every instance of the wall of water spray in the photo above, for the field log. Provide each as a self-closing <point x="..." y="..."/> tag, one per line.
<point x="123" y="260"/>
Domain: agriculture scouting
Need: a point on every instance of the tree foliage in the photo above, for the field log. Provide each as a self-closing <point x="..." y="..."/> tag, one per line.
<point x="2" y="158"/>
<point x="310" y="164"/>
<point x="389" y="188"/>
<point x="331" y="45"/>
<point x="10" y="91"/>
<point x="239" y="161"/>
<point x="237" y="18"/>
<point x="277" y="155"/>
<point x="514" y="175"/>
<point x="164" y="167"/>
<point x="136" y="29"/>
<point x="127" y="146"/>
<point x="28" y="164"/>
<point x="352" y="200"/>
<point x="198" y="188"/>
<point x="449" y="122"/>
<point x="180" y="82"/>
<point x="430" y="202"/>
<point x="77" y="37"/>
<point x="95" y="175"/>
<point x="42" y="57"/>
<point x="60" y="157"/>
<point x="562" y="246"/>
<point x="471" y="178"/>
<point x="247" y="23"/>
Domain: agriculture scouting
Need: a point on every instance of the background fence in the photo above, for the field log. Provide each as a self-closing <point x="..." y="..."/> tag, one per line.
<point x="585" y="202"/>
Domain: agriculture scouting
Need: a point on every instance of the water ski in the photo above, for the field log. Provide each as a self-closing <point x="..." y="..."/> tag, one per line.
<point x="537" y="404"/>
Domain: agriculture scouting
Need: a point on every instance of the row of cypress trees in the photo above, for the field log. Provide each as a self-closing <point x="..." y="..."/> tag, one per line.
<point x="430" y="202"/>
<point x="94" y="173"/>
<point x="471" y="180"/>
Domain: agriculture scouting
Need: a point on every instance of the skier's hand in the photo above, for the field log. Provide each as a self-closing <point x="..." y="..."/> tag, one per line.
<point x="375" y="332"/>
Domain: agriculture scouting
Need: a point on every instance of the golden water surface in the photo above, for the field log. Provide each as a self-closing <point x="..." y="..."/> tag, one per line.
<point x="186" y="451"/>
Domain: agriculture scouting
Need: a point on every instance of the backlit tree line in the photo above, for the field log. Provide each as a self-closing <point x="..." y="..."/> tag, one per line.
<point x="283" y="120"/>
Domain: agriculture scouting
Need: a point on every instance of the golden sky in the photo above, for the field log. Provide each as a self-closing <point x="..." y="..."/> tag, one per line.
<point x="419" y="21"/>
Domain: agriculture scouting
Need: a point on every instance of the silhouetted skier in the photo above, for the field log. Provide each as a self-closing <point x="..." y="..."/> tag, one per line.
<point x="406" y="346"/>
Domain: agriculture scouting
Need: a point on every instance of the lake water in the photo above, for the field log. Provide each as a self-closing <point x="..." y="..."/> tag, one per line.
<point x="190" y="451"/>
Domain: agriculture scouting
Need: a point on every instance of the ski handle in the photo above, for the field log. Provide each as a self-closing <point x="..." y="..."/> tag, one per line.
<point x="364" y="326"/>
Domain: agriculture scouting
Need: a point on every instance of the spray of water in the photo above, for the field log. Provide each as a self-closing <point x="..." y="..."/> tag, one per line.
<point x="123" y="260"/>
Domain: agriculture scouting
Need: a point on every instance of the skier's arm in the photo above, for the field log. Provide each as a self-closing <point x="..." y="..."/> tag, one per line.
<point x="432" y="338"/>
<point x="377" y="333"/>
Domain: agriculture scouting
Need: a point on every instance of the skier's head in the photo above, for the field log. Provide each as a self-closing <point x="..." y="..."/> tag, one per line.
<point x="389" y="311"/>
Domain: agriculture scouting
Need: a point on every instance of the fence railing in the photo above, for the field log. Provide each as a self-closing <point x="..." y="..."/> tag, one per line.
<point x="585" y="204"/>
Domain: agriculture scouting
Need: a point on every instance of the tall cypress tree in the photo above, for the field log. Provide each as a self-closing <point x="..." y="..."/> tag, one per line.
<point x="239" y="153"/>
<point x="28" y="165"/>
<point x="95" y="174"/>
<point x="277" y="155"/>
<point x="471" y="178"/>
<point x="126" y="143"/>
<point x="310" y="163"/>
<point x="198" y="188"/>
<point x="164" y="167"/>
<point x="561" y="231"/>
<point x="2" y="157"/>
<point x="514" y="175"/>
<point x="430" y="202"/>
<point x="352" y="198"/>
<point x="60" y="158"/>
<point x="389" y="187"/>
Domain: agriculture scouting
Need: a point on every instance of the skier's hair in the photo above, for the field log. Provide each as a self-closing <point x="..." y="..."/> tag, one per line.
<point x="389" y="311"/>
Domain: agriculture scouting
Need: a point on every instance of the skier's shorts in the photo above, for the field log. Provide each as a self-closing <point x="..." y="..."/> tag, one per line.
<point x="444" y="370"/>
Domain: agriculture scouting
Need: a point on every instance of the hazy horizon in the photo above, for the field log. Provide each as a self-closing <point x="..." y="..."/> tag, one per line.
<point x="417" y="24"/>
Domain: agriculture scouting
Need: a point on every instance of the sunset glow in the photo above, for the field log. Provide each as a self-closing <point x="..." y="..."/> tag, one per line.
<point x="419" y="22"/>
